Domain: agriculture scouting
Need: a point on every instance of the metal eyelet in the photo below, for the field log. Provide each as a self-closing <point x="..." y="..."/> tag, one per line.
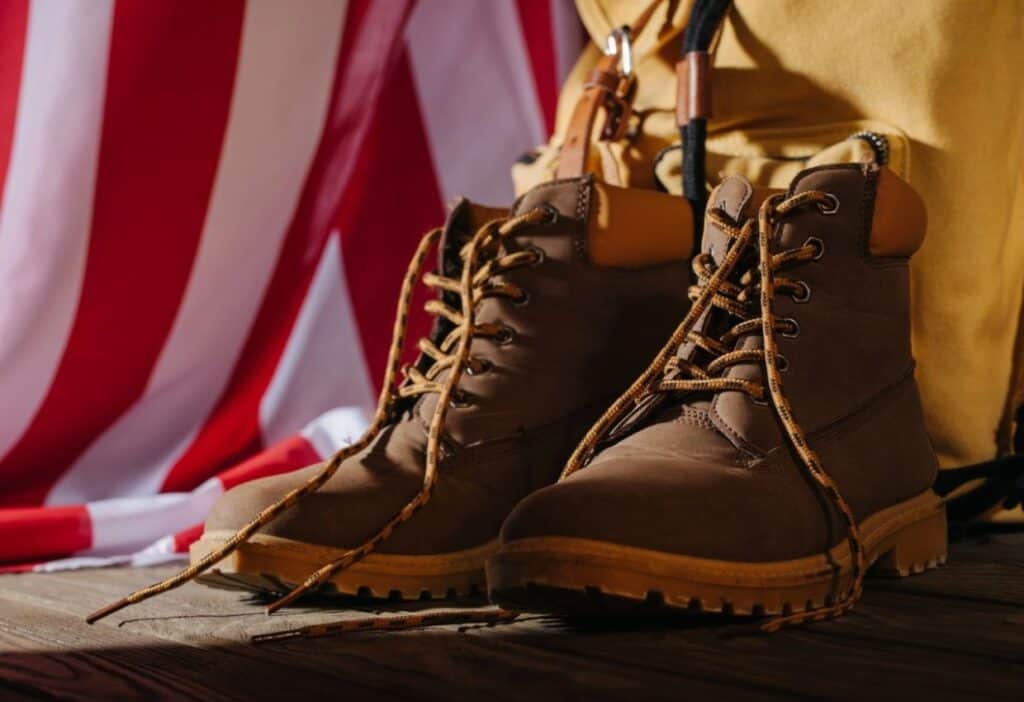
<point x="551" y="213"/>
<point x="831" y="206"/>
<point x="782" y="363"/>
<point x="485" y="366"/>
<point x="795" y="328"/>
<point x="760" y="403"/>
<point x="538" y="253"/>
<point x="804" y="295"/>
<point x="460" y="400"/>
<point x="818" y="244"/>
<point x="505" y="335"/>
<point x="522" y="299"/>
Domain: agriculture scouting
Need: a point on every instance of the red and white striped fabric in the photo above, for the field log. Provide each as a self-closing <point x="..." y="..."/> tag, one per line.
<point x="205" y="213"/>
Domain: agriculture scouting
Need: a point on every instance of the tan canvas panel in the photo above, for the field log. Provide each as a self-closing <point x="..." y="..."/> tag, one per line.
<point x="941" y="78"/>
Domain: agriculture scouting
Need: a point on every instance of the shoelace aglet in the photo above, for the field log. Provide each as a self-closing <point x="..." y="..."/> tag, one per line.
<point x="402" y="622"/>
<point x="106" y="611"/>
<point x="285" y="635"/>
<point x="285" y="600"/>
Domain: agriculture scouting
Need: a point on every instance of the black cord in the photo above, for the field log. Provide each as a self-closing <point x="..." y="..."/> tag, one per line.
<point x="705" y="18"/>
<point x="1003" y="486"/>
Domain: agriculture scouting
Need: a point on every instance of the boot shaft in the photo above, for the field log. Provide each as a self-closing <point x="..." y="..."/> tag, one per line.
<point x="849" y="337"/>
<point x="609" y="286"/>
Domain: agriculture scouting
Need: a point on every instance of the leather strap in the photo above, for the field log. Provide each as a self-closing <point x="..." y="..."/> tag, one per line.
<point x="693" y="89"/>
<point x="606" y="89"/>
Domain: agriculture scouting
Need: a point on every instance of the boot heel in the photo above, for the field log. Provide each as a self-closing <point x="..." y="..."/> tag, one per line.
<point x="913" y="549"/>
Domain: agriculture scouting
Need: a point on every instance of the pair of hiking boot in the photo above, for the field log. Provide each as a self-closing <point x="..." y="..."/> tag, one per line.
<point x="584" y="428"/>
<point x="759" y="442"/>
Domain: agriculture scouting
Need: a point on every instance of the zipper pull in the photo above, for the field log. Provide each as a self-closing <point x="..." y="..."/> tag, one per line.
<point x="878" y="143"/>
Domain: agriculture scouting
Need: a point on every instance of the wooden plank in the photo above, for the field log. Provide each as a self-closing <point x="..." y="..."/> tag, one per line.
<point x="897" y="648"/>
<point x="419" y="665"/>
<point x="48" y="655"/>
<point x="14" y="692"/>
<point x="942" y="634"/>
<point x="988" y="568"/>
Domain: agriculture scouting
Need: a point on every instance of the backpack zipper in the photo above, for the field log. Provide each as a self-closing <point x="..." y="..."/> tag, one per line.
<point x="878" y="143"/>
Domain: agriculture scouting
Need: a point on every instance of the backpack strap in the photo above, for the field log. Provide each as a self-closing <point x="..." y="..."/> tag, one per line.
<point x="610" y="88"/>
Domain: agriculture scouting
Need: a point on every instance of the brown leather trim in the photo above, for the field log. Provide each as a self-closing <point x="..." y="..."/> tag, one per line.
<point x="479" y="215"/>
<point x="573" y="157"/>
<point x="899" y="220"/>
<point x="693" y="87"/>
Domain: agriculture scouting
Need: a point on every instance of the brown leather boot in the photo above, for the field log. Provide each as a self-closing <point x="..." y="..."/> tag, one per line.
<point x="776" y="449"/>
<point x="571" y="294"/>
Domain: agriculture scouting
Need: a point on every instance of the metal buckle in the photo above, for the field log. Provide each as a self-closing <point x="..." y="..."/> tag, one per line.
<point x="618" y="104"/>
<point x="620" y="43"/>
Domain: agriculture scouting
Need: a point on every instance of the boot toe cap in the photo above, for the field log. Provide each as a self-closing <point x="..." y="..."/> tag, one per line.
<point x="705" y="511"/>
<point x="240" y="505"/>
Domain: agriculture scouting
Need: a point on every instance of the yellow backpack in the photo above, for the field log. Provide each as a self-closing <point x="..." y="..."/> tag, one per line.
<point x="792" y="82"/>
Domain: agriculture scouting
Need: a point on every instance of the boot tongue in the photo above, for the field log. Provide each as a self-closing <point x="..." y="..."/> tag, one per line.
<point x="732" y="196"/>
<point x="463" y="220"/>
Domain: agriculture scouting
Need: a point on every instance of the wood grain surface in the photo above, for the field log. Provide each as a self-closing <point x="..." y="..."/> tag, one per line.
<point x="954" y="633"/>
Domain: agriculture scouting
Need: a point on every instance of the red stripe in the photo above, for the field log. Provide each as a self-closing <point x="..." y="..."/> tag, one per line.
<point x="169" y="88"/>
<point x="397" y="211"/>
<point x="232" y="431"/>
<point x="538" y="32"/>
<point x="292" y="453"/>
<point x="13" y="26"/>
<point x="184" y="539"/>
<point x="43" y="533"/>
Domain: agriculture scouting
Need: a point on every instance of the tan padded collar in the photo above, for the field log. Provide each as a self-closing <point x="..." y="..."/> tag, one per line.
<point x="630" y="227"/>
<point x="899" y="221"/>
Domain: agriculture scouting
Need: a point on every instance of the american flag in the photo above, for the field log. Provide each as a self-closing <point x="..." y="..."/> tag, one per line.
<point x="205" y="213"/>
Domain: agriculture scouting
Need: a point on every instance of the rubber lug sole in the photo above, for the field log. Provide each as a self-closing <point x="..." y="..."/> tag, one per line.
<point x="579" y="576"/>
<point x="273" y="566"/>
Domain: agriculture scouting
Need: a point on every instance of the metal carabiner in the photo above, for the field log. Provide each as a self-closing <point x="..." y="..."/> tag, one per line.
<point x="620" y="43"/>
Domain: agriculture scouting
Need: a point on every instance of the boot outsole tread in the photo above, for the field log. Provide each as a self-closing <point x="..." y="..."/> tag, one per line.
<point x="270" y="585"/>
<point x="569" y="576"/>
<point x="273" y="566"/>
<point x="538" y="597"/>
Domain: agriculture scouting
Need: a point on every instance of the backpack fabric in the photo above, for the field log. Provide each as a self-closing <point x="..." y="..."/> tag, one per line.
<point x="790" y="82"/>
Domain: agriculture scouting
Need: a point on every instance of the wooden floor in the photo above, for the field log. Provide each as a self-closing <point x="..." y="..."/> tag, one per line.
<point x="955" y="633"/>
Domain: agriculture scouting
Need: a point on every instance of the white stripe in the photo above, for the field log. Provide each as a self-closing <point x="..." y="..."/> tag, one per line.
<point x="322" y="366"/>
<point x="124" y="525"/>
<point x="282" y="89"/>
<point x="46" y="210"/>
<point x="336" y="429"/>
<point x="477" y="94"/>
<point x="568" y="36"/>
<point x="159" y="552"/>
